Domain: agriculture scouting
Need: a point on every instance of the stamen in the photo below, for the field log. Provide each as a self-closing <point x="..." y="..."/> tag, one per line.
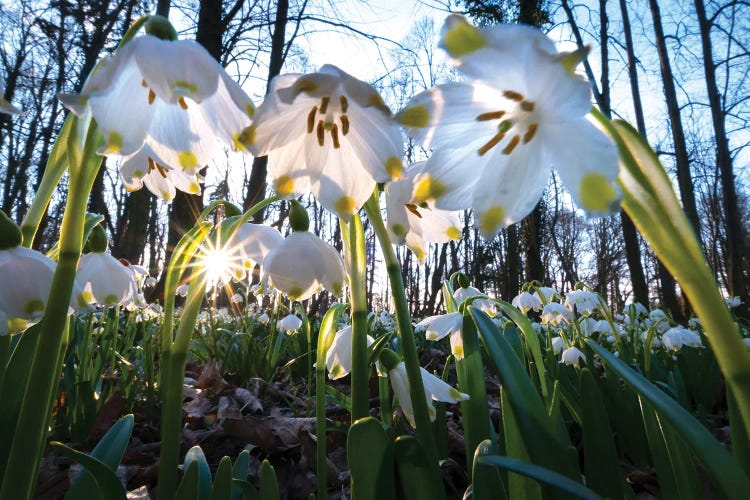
<point x="344" y="124"/>
<point x="513" y="95"/>
<point x="161" y="170"/>
<point x="344" y="103"/>
<point x="528" y="106"/>
<point x="491" y="115"/>
<point x="151" y="96"/>
<point x="491" y="143"/>
<point x="504" y="126"/>
<point x="508" y="149"/>
<point x="151" y="165"/>
<point x="143" y="83"/>
<point x="413" y="209"/>
<point x="530" y="133"/>
<point x="182" y="102"/>
<point x="311" y="119"/>
<point x="321" y="131"/>
<point x="335" y="136"/>
<point x="324" y="105"/>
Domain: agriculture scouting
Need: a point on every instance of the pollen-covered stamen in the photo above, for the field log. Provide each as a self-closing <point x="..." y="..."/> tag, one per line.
<point x="508" y="149"/>
<point x="344" y="104"/>
<point x="513" y="95"/>
<point x="490" y="115"/>
<point x="324" y="105"/>
<point x="530" y="132"/>
<point x="311" y="119"/>
<point x="321" y="132"/>
<point x="335" y="136"/>
<point x="181" y="101"/>
<point x="491" y="143"/>
<point x="344" y="123"/>
<point x="151" y="96"/>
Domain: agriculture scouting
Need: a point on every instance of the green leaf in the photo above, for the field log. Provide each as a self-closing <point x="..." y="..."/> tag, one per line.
<point x="601" y="465"/>
<point x="416" y="478"/>
<point x="240" y="471"/>
<point x="724" y="471"/>
<point x="222" y="489"/>
<point x="91" y="221"/>
<point x="519" y="486"/>
<point x="484" y="476"/>
<point x="269" y="488"/>
<point x="109" y="486"/>
<point x="369" y="452"/>
<point x="188" y="488"/>
<point x="109" y="451"/>
<point x="541" y="474"/>
<point x="195" y="454"/>
<point x="538" y="430"/>
<point x="246" y="489"/>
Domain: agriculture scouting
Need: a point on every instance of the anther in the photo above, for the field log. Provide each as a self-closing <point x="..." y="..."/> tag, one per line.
<point x="527" y="106"/>
<point x="321" y="131"/>
<point x="143" y="83"/>
<point x="413" y="209"/>
<point x="151" y="96"/>
<point x="530" y="133"/>
<point x="513" y="95"/>
<point x="508" y="149"/>
<point x="491" y="115"/>
<point x="491" y="143"/>
<point x="311" y="119"/>
<point x="344" y="123"/>
<point x="181" y="101"/>
<point x="324" y="105"/>
<point x="344" y="103"/>
<point x="335" y="136"/>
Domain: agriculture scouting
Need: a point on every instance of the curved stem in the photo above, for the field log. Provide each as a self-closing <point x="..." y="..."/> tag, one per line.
<point x="409" y="347"/>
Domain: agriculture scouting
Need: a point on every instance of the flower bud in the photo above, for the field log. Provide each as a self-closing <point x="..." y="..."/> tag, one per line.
<point x="298" y="218"/>
<point x="10" y="233"/>
<point x="98" y="240"/>
<point x="160" y="27"/>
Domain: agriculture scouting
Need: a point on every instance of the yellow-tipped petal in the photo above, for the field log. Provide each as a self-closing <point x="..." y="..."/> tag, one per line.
<point x="597" y="193"/>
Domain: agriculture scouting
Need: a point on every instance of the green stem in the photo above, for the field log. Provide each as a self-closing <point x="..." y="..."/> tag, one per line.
<point x="171" y="389"/>
<point x="357" y="281"/>
<point x="408" y="345"/>
<point x="20" y="475"/>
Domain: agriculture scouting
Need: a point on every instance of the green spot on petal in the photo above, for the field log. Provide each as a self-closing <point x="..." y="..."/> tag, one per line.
<point x="597" y="193"/>
<point x="188" y="160"/>
<point x="453" y="233"/>
<point x="399" y="230"/>
<point x="345" y="205"/>
<point x="394" y="167"/>
<point x="111" y="299"/>
<point x="114" y="143"/>
<point x="245" y="139"/>
<point x="416" y="116"/>
<point x="294" y="292"/>
<point x="428" y="189"/>
<point x="33" y="306"/>
<point x="461" y="38"/>
<point x="492" y="218"/>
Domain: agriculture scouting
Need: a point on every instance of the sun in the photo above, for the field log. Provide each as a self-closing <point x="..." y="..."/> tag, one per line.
<point x="218" y="263"/>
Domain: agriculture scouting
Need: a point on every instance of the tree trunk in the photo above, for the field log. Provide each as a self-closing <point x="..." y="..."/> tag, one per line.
<point x="734" y="227"/>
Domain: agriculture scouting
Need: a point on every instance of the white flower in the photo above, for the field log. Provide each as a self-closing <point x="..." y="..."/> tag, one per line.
<point x="146" y="168"/>
<point x="263" y="318"/>
<point x="588" y="325"/>
<point x="555" y="313"/>
<point x="677" y="337"/>
<point x="583" y="302"/>
<point x="639" y="309"/>
<point x="525" y="301"/>
<point x="339" y="355"/>
<point x="289" y="323"/>
<point x="150" y="281"/>
<point x="747" y="343"/>
<point x="695" y="323"/>
<point x="497" y="135"/>
<point x="182" y="290"/>
<point x="557" y="344"/>
<point x="572" y="356"/>
<point x="106" y="279"/>
<point x="733" y="302"/>
<point x="237" y="298"/>
<point x="169" y="95"/>
<point x="301" y="264"/>
<point x="486" y="305"/>
<point x="545" y="292"/>
<point x="435" y="389"/>
<point x="26" y="277"/>
<point x="411" y="224"/>
<point x="253" y="242"/>
<point x="328" y="133"/>
<point x="7" y="108"/>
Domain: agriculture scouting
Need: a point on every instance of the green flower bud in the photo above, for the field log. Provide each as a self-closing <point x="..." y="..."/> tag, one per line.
<point x="389" y="359"/>
<point x="160" y="27"/>
<point x="463" y="280"/>
<point x="10" y="233"/>
<point x="98" y="240"/>
<point x="298" y="218"/>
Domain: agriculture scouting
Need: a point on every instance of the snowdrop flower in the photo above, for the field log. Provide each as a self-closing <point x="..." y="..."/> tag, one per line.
<point x="146" y="168"/>
<point x="263" y="318"/>
<point x="170" y="95"/>
<point x="638" y="308"/>
<point x="522" y="112"/>
<point x="747" y="343"/>
<point x="253" y="242"/>
<point x="435" y="388"/>
<point x="440" y="326"/>
<point x="149" y="282"/>
<point x="107" y="281"/>
<point x="7" y="108"/>
<point x="182" y="290"/>
<point x="677" y="337"/>
<point x="583" y="302"/>
<point x="289" y="323"/>
<point x="545" y="293"/>
<point x="695" y="324"/>
<point x="588" y="325"/>
<point x="733" y="302"/>
<point x="237" y="298"/>
<point x="572" y="356"/>
<point x="465" y="292"/>
<point x="328" y="133"/>
<point x="557" y="344"/>
<point x="339" y="355"/>
<point x="412" y="224"/>
<point x="555" y="313"/>
<point x="526" y="301"/>
<point x="302" y="263"/>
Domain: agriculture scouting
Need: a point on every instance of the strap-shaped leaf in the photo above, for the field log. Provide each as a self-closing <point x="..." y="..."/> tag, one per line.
<point x="195" y="454"/>
<point x="109" y="486"/>
<point x="369" y="451"/>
